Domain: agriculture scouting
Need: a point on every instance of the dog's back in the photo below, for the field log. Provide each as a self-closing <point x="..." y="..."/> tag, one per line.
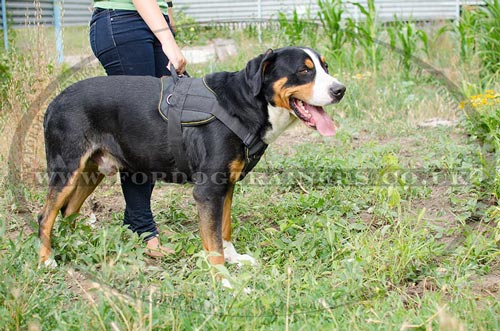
<point x="102" y="100"/>
<point x="93" y="112"/>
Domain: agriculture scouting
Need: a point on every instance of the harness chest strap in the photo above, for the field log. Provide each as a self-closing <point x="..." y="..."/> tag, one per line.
<point x="191" y="94"/>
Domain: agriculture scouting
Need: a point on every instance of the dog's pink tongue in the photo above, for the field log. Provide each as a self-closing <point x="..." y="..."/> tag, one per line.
<point x="324" y="123"/>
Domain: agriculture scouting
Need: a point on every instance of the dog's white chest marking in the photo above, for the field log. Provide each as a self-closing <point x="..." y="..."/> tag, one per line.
<point x="280" y="120"/>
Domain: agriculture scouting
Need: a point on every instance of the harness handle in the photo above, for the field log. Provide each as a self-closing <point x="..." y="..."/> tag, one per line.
<point x="173" y="73"/>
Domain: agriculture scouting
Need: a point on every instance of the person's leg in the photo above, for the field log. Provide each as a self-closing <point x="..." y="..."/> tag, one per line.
<point x="161" y="60"/>
<point x="137" y="189"/>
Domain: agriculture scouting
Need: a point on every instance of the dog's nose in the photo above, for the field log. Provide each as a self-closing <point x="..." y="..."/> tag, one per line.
<point x="337" y="91"/>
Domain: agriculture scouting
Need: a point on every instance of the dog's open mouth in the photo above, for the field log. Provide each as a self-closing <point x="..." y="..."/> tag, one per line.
<point x="313" y="116"/>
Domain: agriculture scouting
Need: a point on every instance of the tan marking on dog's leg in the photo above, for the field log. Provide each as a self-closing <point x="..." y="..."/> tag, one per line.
<point x="55" y="201"/>
<point x="210" y="232"/>
<point x="87" y="183"/>
<point x="235" y="169"/>
<point x="226" y="214"/>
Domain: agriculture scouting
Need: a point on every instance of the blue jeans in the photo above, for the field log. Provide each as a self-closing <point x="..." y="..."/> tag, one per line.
<point x="124" y="45"/>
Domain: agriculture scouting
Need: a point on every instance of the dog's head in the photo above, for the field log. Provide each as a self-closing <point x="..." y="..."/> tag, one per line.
<point x="296" y="80"/>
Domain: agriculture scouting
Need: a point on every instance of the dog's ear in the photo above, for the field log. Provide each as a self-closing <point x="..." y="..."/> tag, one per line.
<point x="254" y="71"/>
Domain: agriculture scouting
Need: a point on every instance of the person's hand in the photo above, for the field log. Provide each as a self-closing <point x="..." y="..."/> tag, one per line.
<point x="176" y="57"/>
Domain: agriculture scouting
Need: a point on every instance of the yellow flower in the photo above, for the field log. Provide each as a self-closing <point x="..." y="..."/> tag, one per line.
<point x="489" y="98"/>
<point x="362" y="75"/>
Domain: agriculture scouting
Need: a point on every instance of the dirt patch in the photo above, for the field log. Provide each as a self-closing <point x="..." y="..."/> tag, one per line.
<point x="105" y="202"/>
<point x="487" y="285"/>
<point x="294" y="136"/>
<point x="420" y="288"/>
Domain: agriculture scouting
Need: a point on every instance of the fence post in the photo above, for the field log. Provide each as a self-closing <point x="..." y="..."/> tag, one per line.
<point x="4" y="26"/>
<point x="58" y="30"/>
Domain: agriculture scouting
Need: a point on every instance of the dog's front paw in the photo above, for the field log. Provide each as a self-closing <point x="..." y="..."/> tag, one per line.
<point x="242" y="259"/>
<point x="50" y="263"/>
<point x="232" y="257"/>
<point x="227" y="285"/>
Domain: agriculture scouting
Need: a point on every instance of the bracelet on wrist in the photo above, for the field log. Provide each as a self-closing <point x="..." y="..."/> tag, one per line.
<point x="161" y="29"/>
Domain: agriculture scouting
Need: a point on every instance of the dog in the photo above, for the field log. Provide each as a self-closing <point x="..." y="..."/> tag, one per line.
<point x="102" y="125"/>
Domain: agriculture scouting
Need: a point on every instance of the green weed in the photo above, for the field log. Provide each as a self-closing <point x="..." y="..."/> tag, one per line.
<point x="297" y="30"/>
<point x="330" y="15"/>
<point x="366" y="31"/>
<point x="489" y="39"/>
<point x="408" y="41"/>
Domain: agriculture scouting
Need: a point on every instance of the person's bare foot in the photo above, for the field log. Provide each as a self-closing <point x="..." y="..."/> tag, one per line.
<point x="155" y="250"/>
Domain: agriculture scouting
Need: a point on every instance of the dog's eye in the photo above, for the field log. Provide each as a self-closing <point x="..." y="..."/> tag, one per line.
<point x="325" y="66"/>
<point x="304" y="71"/>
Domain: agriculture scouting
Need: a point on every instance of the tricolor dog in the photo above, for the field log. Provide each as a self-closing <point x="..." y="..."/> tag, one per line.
<point x="208" y="131"/>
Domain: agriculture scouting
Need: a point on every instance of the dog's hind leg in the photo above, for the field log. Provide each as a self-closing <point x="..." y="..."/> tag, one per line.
<point x="230" y="254"/>
<point x="62" y="185"/>
<point x="88" y="180"/>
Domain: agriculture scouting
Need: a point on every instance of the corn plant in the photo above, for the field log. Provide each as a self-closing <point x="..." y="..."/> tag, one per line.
<point x="297" y="29"/>
<point x="330" y="16"/>
<point x="466" y="29"/>
<point x="478" y="33"/>
<point x="489" y="39"/>
<point x="366" y="31"/>
<point x="408" y="41"/>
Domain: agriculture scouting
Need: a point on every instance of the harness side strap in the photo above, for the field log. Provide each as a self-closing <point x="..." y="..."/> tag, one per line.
<point x="212" y="106"/>
<point x="175" y="140"/>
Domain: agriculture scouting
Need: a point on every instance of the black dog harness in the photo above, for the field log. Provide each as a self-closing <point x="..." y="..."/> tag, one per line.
<point x="187" y="102"/>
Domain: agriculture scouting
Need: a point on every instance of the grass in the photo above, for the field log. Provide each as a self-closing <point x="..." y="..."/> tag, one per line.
<point x="353" y="257"/>
<point x="386" y="226"/>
